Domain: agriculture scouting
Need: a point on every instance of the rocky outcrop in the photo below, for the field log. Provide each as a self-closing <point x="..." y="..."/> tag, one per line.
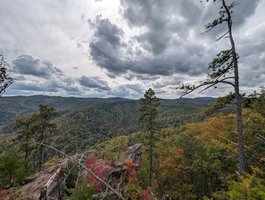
<point x="50" y="183"/>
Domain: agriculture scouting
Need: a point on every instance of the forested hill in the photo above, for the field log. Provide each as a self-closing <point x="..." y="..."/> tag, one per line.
<point x="17" y="106"/>
<point x="96" y="118"/>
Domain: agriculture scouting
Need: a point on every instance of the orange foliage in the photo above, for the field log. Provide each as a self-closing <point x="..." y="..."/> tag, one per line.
<point x="99" y="167"/>
<point x="131" y="171"/>
<point x="147" y="195"/>
<point x="128" y="163"/>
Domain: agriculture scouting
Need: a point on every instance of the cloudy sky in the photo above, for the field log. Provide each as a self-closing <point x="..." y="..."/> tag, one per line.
<point x="105" y="48"/>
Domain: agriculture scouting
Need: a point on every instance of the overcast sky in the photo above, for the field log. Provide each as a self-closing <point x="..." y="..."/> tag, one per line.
<point x="104" y="48"/>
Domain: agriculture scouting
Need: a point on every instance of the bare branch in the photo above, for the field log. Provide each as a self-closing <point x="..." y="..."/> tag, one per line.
<point x="85" y="168"/>
<point x="209" y="84"/>
<point x="222" y="36"/>
<point x="227" y="82"/>
<point x="260" y="137"/>
<point x="213" y="24"/>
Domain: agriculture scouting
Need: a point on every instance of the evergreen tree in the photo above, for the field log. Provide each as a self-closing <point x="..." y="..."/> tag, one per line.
<point x="25" y="124"/>
<point x="44" y="128"/>
<point x="258" y="101"/>
<point x="10" y="167"/>
<point x="225" y="70"/>
<point x="148" y="108"/>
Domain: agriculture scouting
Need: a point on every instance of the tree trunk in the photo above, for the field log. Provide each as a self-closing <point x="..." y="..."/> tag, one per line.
<point x="41" y="149"/>
<point x="241" y="149"/>
<point x="26" y="156"/>
<point x="150" y="156"/>
<point x="27" y="151"/>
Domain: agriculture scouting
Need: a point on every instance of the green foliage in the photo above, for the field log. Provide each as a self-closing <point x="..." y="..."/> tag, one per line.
<point x="149" y="109"/>
<point x="197" y="160"/>
<point x="44" y="128"/>
<point x="220" y="104"/>
<point x="39" y="127"/>
<point x="112" y="149"/>
<point x="221" y="64"/>
<point x="11" y="167"/>
<point x="85" y="122"/>
<point x="132" y="191"/>
<point x="149" y="112"/>
<point x="250" y="187"/>
<point x="82" y="192"/>
<point x="143" y="174"/>
<point x="24" y="137"/>
<point x="258" y="101"/>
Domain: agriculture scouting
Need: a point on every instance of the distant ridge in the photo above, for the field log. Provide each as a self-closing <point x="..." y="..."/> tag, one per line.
<point x="97" y="116"/>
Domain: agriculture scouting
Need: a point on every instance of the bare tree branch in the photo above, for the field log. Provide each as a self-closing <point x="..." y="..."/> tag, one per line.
<point x="85" y="168"/>
<point x="222" y="36"/>
<point x="209" y="84"/>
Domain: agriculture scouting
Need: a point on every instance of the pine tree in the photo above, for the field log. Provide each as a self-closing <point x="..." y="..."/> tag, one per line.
<point x="24" y="135"/>
<point x="225" y="71"/>
<point x="9" y="167"/>
<point x="44" y="128"/>
<point x="148" y="108"/>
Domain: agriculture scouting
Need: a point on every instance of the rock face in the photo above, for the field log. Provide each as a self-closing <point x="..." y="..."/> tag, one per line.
<point x="135" y="153"/>
<point x="44" y="185"/>
<point x="49" y="183"/>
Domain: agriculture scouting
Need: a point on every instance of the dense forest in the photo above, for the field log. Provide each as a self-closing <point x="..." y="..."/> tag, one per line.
<point x="194" y="159"/>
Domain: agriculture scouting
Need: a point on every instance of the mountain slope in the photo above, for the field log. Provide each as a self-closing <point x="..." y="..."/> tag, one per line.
<point x="86" y="121"/>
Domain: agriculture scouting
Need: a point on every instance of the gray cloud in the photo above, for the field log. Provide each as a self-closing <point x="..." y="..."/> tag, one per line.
<point x="110" y="53"/>
<point x="49" y="79"/>
<point x="172" y="38"/>
<point x="94" y="82"/>
<point x="132" y="87"/>
<point x="106" y="45"/>
<point x="243" y="11"/>
<point x="131" y="76"/>
<point x="149" y="43"/>
<point x="34" y="86"/>
<point x="28" y="65"/>
<point x="171" y="43"/>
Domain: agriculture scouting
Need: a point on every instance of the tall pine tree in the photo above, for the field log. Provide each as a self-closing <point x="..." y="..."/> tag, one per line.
<point x="44" y="128"/>
<point x="225" y="71"/>
<point x="24" y="135"/>
<point x="148" y="108"/>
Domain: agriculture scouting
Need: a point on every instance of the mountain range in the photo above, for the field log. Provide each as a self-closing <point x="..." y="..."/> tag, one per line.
<point x="86" y="121"/>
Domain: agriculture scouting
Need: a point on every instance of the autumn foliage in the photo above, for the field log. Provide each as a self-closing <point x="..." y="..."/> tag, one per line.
<point x="131" y="171"/>
<point x="99" y="167"/>
<point x="3" y="194"/>
<point x="147" y="195"/>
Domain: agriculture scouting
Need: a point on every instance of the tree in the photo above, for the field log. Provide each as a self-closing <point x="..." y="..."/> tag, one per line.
<point x="10" y="167"/>
<point x="258" y="101"/>
<point x="82" y="192"/>
<point x="225" y="70"/>
<point x="5" y="79"/>
<point x="44" y="128"/>
<point x="249" y="187"/>
<point x="25" y="124"/>
<point x="148" y="108"/>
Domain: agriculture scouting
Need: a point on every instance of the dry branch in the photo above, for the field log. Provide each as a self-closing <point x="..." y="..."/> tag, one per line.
<point x="85" y="168"/>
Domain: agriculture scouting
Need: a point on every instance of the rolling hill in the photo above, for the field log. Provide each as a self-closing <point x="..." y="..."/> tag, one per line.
<point x="86" y="121"/>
